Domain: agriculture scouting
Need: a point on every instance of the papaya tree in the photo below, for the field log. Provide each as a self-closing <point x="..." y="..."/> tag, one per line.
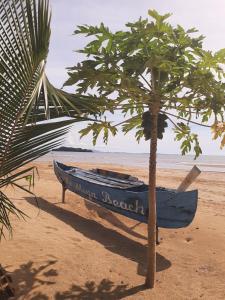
<point x="152" y="73"/>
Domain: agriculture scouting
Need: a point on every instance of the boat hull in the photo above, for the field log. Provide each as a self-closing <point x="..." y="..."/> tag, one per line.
<point x="174" y="210"/>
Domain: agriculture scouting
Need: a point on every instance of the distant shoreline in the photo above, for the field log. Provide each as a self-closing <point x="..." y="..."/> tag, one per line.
<point x="71" y="149"/>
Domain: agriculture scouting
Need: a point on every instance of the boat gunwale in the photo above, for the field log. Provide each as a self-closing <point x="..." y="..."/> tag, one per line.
<point x="168" y="190"/>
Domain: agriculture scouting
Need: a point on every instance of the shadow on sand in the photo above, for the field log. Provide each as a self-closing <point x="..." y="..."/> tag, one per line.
<point x="26" y="279"/>
<point x="26" y="282"/>
<point x="109" y="238"/>
<point x="106" y="214"/>
<point x="106" y="290"/>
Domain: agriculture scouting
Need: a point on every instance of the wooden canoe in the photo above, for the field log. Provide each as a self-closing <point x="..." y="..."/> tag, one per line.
<point x="128" y="196"/>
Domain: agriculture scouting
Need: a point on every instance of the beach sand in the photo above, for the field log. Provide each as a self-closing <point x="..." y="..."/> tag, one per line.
<point x="77" y="250"/>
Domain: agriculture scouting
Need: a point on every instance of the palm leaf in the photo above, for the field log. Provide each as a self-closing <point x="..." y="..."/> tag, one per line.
<point x="26" y="96"/>
<point x="58" y="103"/>
<point x="30" y="142"/>
<point x="7" y="207"/>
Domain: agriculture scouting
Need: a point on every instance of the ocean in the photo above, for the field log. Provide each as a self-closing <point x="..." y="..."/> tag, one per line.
<point x="207" y="163"/>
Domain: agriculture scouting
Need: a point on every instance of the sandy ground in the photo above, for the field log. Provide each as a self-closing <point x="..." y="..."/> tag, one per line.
<point x="79" y="251"/>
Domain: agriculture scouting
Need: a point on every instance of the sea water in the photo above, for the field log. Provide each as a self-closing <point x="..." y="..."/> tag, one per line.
<point x="140" y="160"/>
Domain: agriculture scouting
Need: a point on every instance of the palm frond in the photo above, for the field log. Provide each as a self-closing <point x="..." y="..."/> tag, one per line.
<point x="24" y="43"/>
<point x="30" y="142"/>
<point x="58" y="103"/>
<point x="6" y="208"/>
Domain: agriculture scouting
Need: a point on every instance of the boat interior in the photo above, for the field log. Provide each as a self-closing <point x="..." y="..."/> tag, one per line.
<point x="109" y="178"/>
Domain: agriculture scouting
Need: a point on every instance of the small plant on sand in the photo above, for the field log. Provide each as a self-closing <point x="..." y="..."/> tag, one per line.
<point x="153" y="73"/>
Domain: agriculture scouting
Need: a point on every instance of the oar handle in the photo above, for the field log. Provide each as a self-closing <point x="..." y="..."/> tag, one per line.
<point x="191" y="176"/>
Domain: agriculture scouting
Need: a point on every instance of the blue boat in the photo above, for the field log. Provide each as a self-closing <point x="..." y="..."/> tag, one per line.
<point x="128" y="196"/>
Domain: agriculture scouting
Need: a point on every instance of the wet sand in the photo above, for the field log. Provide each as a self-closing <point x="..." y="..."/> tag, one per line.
<point x="77" y="250"/>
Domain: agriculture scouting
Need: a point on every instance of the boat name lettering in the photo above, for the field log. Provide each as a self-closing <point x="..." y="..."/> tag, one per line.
<point x="79" y="188"/>
<point x="134" y="206"/>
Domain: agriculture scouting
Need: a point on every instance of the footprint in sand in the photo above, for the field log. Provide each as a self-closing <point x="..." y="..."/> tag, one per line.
<point x="76" y="240"/>
<point x="189" y="239"/>
<point x="49" y="227"/>
<point x="172" y="235"/>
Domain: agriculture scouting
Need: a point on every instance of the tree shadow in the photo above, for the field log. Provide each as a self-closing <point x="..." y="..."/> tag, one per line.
<point x="27" y="278"/>
<point x="26" y="281"/>
<point x="109" y="238"/>
<point x="106" y="290"/>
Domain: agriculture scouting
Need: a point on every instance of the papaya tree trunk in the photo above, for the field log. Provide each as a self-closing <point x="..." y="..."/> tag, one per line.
<point x="151" y="251"/>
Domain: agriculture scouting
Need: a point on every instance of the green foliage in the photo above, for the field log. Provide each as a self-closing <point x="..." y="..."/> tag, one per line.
<point x="26" y="96"/>
<point x="152" y="62"/>
<point x="97" y="128"/>
<point x="189" y="140"/>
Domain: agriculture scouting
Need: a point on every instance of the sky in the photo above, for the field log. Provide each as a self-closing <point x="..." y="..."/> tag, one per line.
<point x="206" y="15"/>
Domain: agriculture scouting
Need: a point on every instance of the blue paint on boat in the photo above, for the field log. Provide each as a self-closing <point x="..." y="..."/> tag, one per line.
<point x="128" y="196"/>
